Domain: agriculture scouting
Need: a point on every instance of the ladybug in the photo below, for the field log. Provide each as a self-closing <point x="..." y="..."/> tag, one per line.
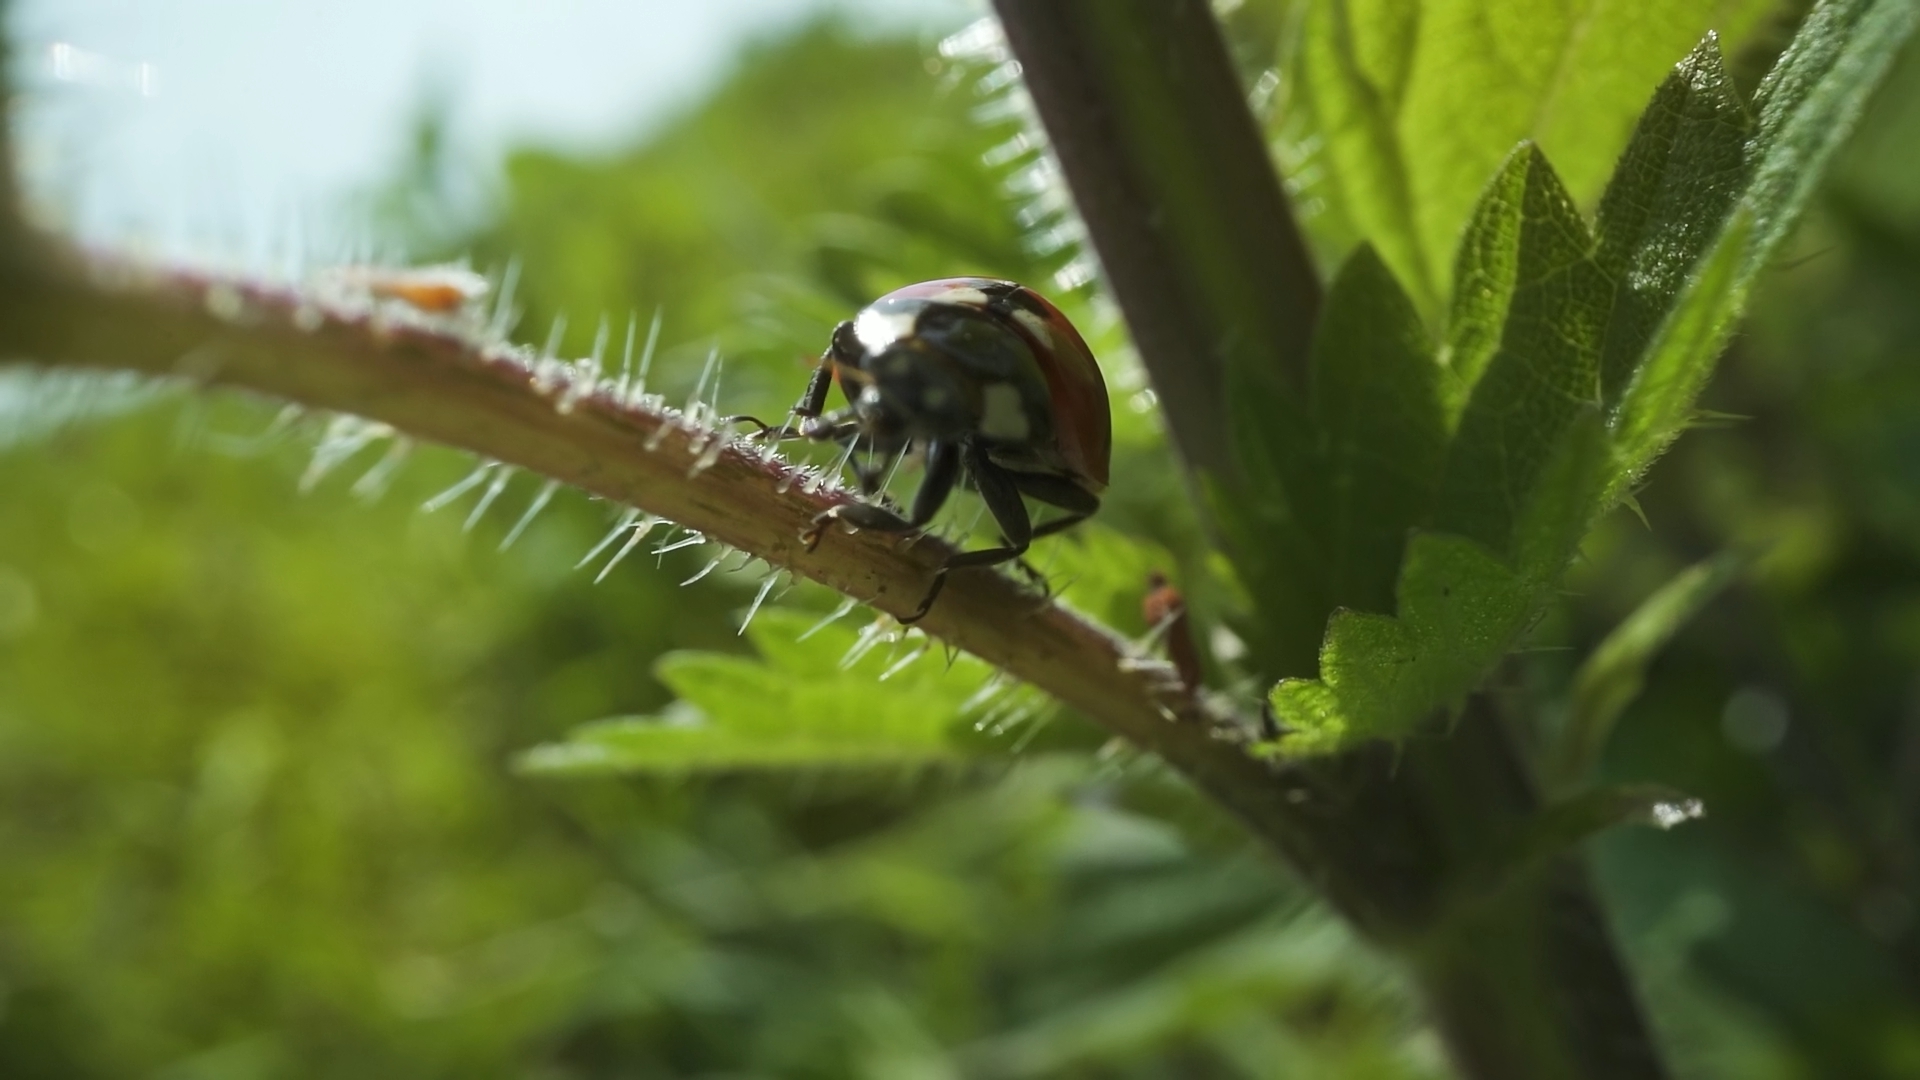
<point x="991" y="385"/>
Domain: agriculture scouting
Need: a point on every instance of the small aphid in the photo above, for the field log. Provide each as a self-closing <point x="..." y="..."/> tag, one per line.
<point x="435" y="290"/>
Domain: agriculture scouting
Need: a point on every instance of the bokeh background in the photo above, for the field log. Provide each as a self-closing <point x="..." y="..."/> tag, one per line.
<point x="260" y="809"/>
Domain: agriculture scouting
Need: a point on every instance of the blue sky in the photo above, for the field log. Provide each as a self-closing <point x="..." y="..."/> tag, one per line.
<point x="234" y="129"/>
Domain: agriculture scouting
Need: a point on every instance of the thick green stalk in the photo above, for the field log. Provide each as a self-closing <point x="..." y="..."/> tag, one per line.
<point x="1169" y="172"/>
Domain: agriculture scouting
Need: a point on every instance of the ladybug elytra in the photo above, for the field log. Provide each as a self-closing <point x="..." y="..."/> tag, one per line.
<point x="991" y="385"/>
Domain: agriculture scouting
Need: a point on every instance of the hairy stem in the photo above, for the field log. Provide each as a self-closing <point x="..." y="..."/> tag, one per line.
<point x="430" y="381"/>
<point x="1170" y="173"/>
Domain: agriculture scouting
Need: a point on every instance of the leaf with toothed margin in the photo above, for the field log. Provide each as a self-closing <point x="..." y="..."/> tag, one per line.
<point x="1402" y="109"/>
<point x="794" y="706"/>
<point x="1556" y="328"/>
<point x="841" y="695"/>
<point x="1460" y="609"/>
<point x="1336" y="490"/>
<point x="1522" y="480"/>
<point x="1803" y="111"/>
<point x="1544" y="364"/>
<point x="1674" y="187"/>
<point x="1378" y="427"/>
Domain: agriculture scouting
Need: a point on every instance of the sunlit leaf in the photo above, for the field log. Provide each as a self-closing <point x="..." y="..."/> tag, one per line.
<point x="1405" y="108"/>
<point x="1378" y="431"/>
<point x="1555" y="327"/>
<point x="1460" y="608"/>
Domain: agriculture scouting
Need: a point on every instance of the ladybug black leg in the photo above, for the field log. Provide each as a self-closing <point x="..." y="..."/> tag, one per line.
<point x="1054" y="491"/>
<point x="1077" y="501"/>
<point x="860" y="515"/>
<point x="943" y="471"/>
<point x="1001" y="493"/>
<point x="812" y="402"/>
<point x="874" y="475"/>
<point x="936" y="483"/>
<point x="766" y="429"/>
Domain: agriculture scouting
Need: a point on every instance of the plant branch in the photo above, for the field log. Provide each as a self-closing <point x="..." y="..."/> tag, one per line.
<point x="1169" y="171"/>
<point x="429" y="380"/>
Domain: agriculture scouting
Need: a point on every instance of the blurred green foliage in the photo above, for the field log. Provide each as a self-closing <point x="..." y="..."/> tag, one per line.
<point x="259" y="813"/>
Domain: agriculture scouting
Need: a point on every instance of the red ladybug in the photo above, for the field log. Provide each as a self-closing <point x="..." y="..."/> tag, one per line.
<point x="991" y="384"/>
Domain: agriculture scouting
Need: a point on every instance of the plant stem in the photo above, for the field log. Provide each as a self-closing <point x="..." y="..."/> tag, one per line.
<point x="1168" y="169"/>
<point x="428" y="380"/>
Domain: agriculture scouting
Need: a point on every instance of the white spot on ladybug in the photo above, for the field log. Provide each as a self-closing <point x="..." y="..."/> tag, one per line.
<point x="935" y="398"/>
<point x="1034" y="325"/>
<point x="876" y="330"/>
<point x="967" y="295"/>
<point x="1001" y="415"/>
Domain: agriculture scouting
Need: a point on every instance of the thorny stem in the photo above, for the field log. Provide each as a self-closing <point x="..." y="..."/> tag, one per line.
<point x="428" y="381"/>
<point x="1170" y="174"/>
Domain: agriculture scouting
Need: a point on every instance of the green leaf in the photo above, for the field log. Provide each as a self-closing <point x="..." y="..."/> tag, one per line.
<point x="1485" y="270"/>
<point x="1809" y="103"/>
<point x="1555" y="327"/>
<point x="1544" y="369"/>
<point x="1404" y="108"/>
<point x="1658" y="403"/>
<point x="1336" y="490"/>
<point x="1266" y="527"/>
<point x="1678" y="179"/>
<point x="799" y="705"/>
<point x="1379" y="433"/>
<point x="1806" y="107"/>
<point x="1461" y="607"/>
<point x="1457" y="603"/>
<point x="1614" y="674"/>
